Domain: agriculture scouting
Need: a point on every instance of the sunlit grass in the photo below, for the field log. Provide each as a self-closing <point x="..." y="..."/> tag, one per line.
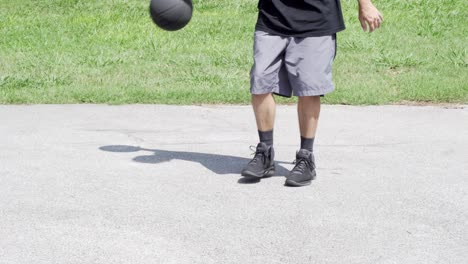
<point x="108" y="51"/>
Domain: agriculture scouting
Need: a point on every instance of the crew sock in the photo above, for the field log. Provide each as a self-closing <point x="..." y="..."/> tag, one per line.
<point x="307" y="143"/>
<point x="266" y="137"/>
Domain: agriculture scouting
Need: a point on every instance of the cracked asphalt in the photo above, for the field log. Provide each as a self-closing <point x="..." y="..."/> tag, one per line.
<point x="161" y="184"/>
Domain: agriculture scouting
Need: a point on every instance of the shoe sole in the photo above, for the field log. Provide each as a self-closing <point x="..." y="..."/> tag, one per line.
<point x="297" y="184"/>
<point x="292" y="183"/>
<point x="250" y="174"/>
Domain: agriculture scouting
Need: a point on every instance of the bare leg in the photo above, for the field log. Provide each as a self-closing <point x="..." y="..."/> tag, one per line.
<point x="263" y="164"/>
<point x="265" y="109"/>
<point x="308" y="110"/>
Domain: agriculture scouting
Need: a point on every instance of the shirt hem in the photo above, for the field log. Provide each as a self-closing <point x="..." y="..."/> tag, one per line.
<point x="302" y="34"/>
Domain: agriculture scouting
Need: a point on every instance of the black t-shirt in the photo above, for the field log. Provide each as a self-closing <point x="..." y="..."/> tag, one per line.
<point x="300" y="18"/>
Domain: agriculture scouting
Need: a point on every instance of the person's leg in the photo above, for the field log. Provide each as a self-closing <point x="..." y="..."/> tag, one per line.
<point x="309" y="62"/>
<point x="264" y="107"/>
<point x="262" y="165"/>
<point x="308" y="111"/>
<point x="267" y="76"/>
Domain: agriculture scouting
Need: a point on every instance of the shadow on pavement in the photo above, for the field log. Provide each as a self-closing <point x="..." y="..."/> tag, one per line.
<point x="219" y="164"/>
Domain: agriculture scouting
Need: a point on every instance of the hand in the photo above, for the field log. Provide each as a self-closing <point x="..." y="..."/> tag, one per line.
<point x="369" y="15"/>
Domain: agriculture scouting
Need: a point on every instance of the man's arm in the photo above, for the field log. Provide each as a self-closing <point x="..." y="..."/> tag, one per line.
<point x="369" y="15"/>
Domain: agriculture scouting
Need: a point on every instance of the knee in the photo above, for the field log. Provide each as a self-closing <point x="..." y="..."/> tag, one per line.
<point x="261" y="96"/>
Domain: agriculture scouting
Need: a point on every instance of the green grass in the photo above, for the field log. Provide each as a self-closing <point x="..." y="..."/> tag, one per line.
<point x="108" y="51"/>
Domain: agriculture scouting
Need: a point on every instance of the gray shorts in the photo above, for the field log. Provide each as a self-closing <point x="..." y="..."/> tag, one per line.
<point x="292" y="66"/>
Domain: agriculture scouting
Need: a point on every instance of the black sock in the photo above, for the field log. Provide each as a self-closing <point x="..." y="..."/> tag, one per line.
<point x="266" y="137"/>
<point x="307" y="143"/>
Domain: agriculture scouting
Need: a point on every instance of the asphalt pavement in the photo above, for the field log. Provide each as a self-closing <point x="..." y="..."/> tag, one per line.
<point x="161" y="184"/>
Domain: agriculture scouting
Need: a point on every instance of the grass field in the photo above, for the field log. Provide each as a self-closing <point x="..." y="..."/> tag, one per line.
<point x="108" y="51"/>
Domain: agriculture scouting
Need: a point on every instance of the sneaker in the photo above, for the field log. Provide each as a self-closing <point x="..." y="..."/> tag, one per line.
<point x="262" y="164"/>
<point x="304" y="172"/>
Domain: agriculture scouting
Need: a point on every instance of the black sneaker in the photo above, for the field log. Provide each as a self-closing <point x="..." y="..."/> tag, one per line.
<point x="304" y="171"/>
<point x="262" y="164"/>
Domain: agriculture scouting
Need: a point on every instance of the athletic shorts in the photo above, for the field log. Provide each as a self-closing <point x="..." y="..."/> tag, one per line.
<point x="292" y="66"/>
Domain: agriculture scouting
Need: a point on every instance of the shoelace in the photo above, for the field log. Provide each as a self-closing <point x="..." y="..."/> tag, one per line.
<point x="302" y="164"/>
<point x="257" y="154"/>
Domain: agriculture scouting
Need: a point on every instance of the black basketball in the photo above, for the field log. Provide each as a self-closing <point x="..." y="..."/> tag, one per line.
<point x="171" y="14"/>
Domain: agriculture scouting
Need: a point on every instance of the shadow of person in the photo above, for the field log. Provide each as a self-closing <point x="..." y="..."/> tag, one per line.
<point x="219" y="164"/>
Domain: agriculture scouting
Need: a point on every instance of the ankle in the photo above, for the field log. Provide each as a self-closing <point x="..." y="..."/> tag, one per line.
<point x="266" y="137"/>
<point x="307" y="143"/>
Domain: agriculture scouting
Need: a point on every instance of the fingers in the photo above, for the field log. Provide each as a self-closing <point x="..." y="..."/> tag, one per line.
<point x="371" y="23"/>
<point x="370" y="18"/>
<point x="376" y="23"/>
<point x="363" y="24"/>
<point x="371" y="26"/>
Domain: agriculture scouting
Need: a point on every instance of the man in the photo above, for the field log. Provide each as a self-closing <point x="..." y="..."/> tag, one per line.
<point x="294" y="48"/>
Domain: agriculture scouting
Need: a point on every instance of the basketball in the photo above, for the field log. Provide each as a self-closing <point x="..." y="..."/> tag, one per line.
<point x="171" y="15"/>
